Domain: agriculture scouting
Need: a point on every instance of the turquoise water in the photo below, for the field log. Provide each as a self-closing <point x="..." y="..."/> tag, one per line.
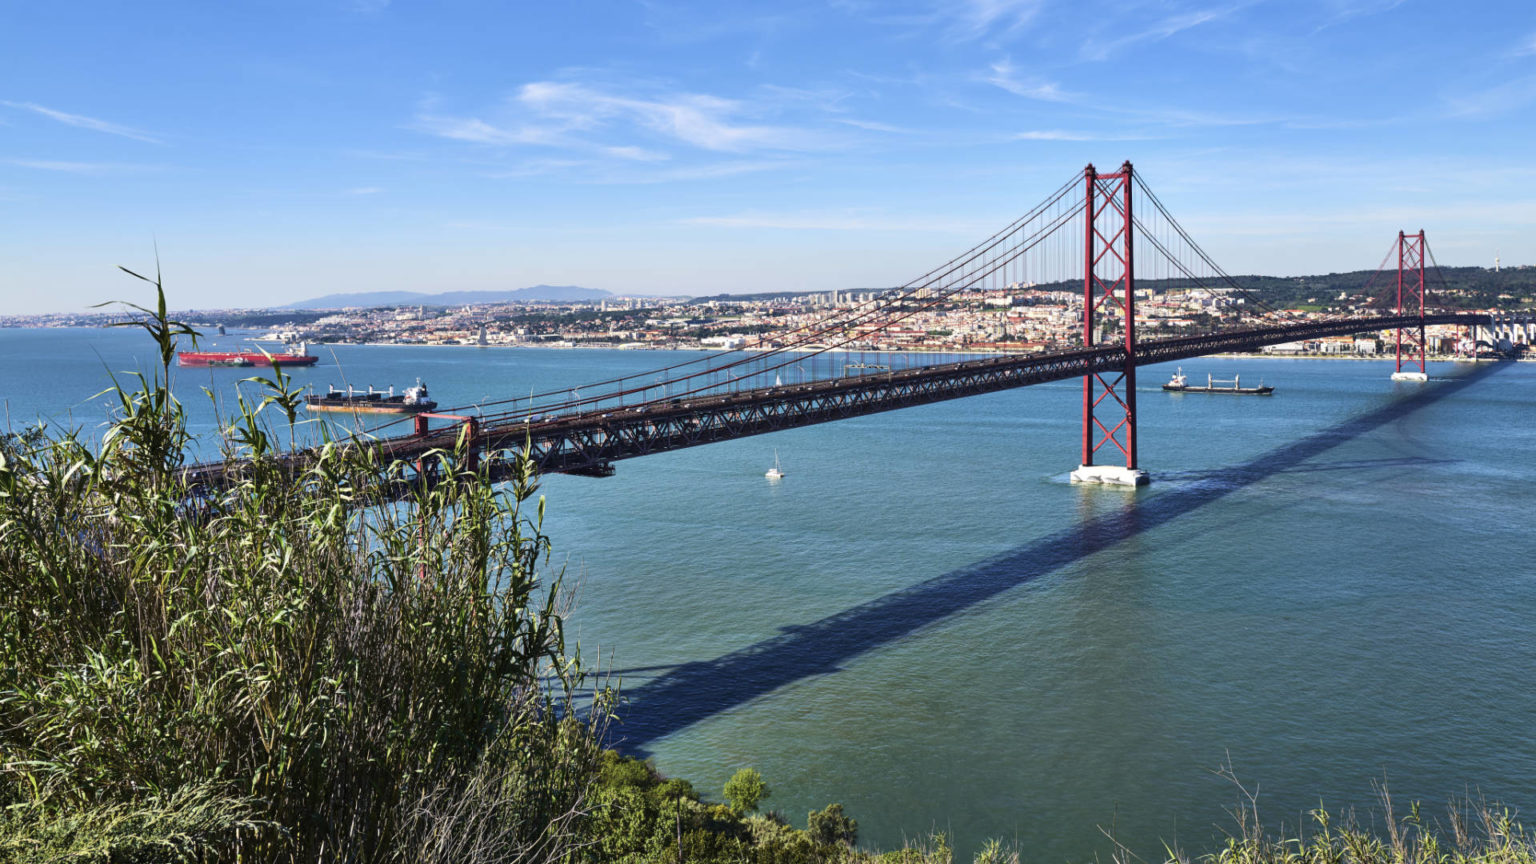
<point x="925" y="621"/>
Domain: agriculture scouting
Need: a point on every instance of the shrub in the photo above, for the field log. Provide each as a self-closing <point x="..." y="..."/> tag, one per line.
<point x="745" y="790"/>
<point x="832" y="826"/>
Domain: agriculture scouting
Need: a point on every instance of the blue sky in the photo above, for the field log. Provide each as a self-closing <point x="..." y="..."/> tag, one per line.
<point x="282" y="150"/>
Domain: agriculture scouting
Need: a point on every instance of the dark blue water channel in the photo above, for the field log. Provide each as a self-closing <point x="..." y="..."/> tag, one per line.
<point x="925" y="621"/>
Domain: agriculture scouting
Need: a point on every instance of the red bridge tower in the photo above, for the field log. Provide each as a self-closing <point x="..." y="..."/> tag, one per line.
<point x="1109" y="284"/>
<point x="1410" y="276"/>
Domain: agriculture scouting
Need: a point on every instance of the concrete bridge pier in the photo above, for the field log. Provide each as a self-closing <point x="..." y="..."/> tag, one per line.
<point x="1111" y="475"/>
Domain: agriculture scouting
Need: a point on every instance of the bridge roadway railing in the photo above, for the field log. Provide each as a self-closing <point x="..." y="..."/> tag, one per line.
<point x="589" y="442"/>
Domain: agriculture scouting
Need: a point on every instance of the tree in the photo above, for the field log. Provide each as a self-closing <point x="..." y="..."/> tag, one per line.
<point x="745" y="790"/>
<point x="831" y="826"/>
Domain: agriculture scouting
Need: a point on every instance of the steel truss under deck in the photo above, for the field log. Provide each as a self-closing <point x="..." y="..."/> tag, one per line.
<point x="590" y="442"/>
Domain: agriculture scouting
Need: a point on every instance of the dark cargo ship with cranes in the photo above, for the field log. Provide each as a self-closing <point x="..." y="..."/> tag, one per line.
<point x="413" y="401"/>
<point x="1213" y="385"/>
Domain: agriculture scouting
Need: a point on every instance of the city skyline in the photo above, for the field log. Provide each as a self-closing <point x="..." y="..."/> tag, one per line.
<point x="299" y="149"/>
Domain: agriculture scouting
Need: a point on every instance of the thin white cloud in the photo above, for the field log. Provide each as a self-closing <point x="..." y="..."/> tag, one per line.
<point x="712" y="171"/>
<point x="1006" y="76"/>
<point x="978" y="18"/>
<point x="483" y="225"/>
<point x="477" y="131"/>
<point x="811" y="221"/>
<point x="76" y="167"/>
<point x="1059" y="135"/>
<point x="636" y="154"/>
<point x="1178" y="118"/>
<point x="604" y="123"/>
<point x="700" y="120"/>
<point x="541" y="168"/>
<point x="1500" y="99"/>
<point x="1528" y="47"/>
<point x="364" y="190"/>
<point x="674" y="24"/>
<point x="1101" y="50"/>
<point x="873" y="126"/>
<point x="955" y="21"/>
<point x="386" y="156"/>
<point x="1345" y="10"/>
<point x="82" y="122"/>
<point x="824" y="99"/>
<point x="1186" y="117"/>
<point x="598" y="172"/>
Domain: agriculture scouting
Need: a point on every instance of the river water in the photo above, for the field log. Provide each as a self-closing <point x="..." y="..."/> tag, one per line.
<point x="1325" y="589"/>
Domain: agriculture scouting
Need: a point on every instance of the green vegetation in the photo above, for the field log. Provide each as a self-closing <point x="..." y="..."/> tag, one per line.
<point x="290" y="668"/>
<point x="296" y="668"/>
<point x="745" y="790"/>
<point x="639" y="816"/>
<point x="1449" y="287"/>
<point x="259" y="318"/>
<point x="1474" y="832"/>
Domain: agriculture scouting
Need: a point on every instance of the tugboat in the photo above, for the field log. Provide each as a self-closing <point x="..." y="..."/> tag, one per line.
<point x="1178" y="384"/>
<point x="413" y="401"/>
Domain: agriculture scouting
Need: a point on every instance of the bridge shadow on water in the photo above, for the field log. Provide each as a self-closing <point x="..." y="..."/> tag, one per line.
<point x="688" y="693"/>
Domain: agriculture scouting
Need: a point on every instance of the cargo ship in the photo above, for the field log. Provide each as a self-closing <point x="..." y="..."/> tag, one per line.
<point x="413" y="401"/>
<point x="291" y="357"/>
<point x="1179" y="385"/>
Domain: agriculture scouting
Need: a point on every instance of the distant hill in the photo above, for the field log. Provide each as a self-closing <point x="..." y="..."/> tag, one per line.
<point x="759" y="296"/>
<point x="557" y="293"/>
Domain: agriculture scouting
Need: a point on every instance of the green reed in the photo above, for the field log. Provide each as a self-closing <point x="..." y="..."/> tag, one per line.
<point x="289" y="668"/>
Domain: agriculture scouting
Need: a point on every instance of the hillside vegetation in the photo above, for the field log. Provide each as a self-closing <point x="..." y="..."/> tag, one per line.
<point x="286" y="669"/>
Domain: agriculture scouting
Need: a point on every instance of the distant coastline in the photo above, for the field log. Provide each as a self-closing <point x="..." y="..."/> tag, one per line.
<point x="1383" y="357"/>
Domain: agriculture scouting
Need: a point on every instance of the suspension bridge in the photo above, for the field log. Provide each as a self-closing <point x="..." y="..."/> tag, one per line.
<point x="1099" y="232"/>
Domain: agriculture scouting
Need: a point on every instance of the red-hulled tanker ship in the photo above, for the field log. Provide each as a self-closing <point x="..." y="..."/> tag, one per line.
<point x="289" y="357"/>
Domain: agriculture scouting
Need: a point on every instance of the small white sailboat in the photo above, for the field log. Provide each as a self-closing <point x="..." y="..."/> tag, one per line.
<point x="775" y="472"/>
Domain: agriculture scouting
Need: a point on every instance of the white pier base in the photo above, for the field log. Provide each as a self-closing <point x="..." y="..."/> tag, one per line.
<point x="1111" y="475"/>
<point x="1409" y="376"/>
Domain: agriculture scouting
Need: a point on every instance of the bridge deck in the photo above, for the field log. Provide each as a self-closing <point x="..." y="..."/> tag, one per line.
<point x="589" y="442"/>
